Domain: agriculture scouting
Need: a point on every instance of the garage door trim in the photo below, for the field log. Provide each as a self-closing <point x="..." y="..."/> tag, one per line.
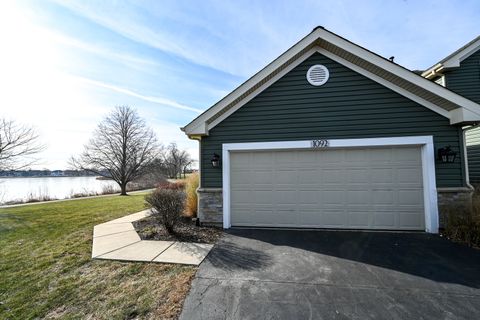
<point x="427" y="155"/>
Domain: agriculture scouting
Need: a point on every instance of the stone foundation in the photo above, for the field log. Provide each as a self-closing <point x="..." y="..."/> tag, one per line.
<point x="210" y="208"/>
<point x="453" y="199"/>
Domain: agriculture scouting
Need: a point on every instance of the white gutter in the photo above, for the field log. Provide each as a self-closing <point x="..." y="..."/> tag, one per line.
<point x="465" y="157"/>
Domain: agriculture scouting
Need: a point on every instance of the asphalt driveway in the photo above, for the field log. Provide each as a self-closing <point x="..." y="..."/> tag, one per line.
<point x="278" y="274"/>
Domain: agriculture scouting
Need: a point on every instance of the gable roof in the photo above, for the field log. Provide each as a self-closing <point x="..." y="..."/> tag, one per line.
<point x="453" y="60"/>
<point x="399" y="79"/>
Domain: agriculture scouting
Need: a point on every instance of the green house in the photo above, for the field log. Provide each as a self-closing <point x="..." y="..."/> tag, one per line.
<point x="460" y="73"/>
<point x="332" y="135"/>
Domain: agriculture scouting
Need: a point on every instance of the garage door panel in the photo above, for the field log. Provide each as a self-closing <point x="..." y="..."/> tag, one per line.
<point x="380" y="155"/>
<point x="381" y="175"/>
<point x="285" y="177"/>
<point x="332" y="176"/>
<point x="359" y="219"/>
<point x="241" y="196"/>
<point x="309" y="176"/>
<point x="333" y="218"/>
<point x="333" y="197"/>
<point x="263" y="197"/>
<point x="308" y="197"/>
<point x="384" y="219"/>
<point x="409" y="220"/>
<point x="410" y="197"/>
<point x="359" y="175"/>
<point x="358" y="197"/>
<point x="408" y="175"/>
<point x="383" y="197"/>
<point x="241" y="161"/>
<point x="378" y="188"/>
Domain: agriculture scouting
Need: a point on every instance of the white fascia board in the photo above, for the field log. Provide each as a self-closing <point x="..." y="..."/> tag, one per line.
<point x="463" y="115"/>
<point x="455" y="60"/>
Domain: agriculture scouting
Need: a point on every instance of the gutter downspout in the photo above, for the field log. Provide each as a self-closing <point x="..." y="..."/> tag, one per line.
<point x="465" y="157"/>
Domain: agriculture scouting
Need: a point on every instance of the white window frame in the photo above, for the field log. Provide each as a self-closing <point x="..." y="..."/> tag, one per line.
<point x="428" y="166"/>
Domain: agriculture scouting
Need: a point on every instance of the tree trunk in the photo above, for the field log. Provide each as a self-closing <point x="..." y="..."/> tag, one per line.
<point x="123" y="189"/>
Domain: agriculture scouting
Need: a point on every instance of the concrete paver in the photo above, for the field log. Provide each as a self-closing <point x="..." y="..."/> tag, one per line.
<point x="144" y="250"/>
<point x="185" y="253"/>
<point x="102" y="245"/>
<point x="107" y="229"/>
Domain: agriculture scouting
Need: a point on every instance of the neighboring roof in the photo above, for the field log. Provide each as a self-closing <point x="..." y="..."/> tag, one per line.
<point x="399" y="79"/>
<point x="453" y="60"/>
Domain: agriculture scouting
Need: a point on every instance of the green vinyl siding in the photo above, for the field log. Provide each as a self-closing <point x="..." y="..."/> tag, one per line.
<point x="465" y="80"/>
<point x="472" y="138"/>
<point x="349" y="106"/>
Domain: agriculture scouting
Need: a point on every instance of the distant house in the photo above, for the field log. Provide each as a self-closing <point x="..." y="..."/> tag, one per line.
<point x="57" y="173"/>
<point x="460" y="73"/>
<point x="332" y="135"/>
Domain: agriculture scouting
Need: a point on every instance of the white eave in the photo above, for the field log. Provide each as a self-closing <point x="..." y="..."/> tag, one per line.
<point x="453" y="60"/>
<point x="413" y="86"/>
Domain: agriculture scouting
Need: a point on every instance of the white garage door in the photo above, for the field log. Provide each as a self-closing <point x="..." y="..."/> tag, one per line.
<point x="368" y="188"/>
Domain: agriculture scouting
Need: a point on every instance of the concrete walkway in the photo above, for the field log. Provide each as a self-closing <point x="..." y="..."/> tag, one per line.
<point x="118" y="240"/>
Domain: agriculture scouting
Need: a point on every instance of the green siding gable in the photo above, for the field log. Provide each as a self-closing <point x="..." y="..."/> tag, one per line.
<point x="349" y="105"/>
<point x="465" y="80"/>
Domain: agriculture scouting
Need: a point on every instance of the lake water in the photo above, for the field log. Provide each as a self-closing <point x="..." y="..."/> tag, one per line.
<point x="54" y="187"/>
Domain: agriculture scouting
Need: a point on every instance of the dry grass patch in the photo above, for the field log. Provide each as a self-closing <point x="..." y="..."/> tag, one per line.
<point x="462" y="223"/>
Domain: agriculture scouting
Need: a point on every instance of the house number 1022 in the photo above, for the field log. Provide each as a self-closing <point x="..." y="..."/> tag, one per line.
<point x="322" y="143"/>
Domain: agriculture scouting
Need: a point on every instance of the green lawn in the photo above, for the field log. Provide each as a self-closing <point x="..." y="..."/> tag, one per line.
<point x="46" y="270"/>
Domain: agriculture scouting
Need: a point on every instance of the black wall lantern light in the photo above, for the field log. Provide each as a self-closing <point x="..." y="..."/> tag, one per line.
<point x="215" y="160"/>
<point x="446" y="155"/>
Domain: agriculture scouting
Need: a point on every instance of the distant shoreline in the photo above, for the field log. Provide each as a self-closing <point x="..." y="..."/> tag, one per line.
<point x="29" y="177"/>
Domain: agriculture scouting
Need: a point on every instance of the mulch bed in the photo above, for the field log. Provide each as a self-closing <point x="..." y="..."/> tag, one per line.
<point x="186" y="231"/>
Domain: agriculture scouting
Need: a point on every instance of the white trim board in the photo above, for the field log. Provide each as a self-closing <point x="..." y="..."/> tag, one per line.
<point x="428" y="166"/>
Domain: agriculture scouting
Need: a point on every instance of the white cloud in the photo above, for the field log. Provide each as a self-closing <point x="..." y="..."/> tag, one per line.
<point x="184" y="38"/>
<point x="159" y="100"/>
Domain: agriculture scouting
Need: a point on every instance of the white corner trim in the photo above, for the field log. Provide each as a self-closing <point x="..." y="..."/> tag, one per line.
<point x="428" y="166"/>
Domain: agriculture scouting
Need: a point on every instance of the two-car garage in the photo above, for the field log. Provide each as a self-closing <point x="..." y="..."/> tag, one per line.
<point x="356" y="187"/>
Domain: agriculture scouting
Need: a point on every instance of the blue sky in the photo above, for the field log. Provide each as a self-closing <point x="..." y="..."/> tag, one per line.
<point x="66" y="64"/>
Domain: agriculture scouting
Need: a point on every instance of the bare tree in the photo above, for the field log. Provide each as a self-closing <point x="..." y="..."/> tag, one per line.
<point x="122" y="148"/>
<point x="176" y="161"/>
<point x="18" y="144"/>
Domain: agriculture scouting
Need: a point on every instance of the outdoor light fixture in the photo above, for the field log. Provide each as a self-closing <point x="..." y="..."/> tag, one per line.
<point x="215" y="160"/>
<point x="446" y="155"/>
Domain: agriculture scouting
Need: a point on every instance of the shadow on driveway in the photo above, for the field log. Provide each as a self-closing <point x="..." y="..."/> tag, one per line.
<point x="420" y="254"/>
<point x="231" y="257"/>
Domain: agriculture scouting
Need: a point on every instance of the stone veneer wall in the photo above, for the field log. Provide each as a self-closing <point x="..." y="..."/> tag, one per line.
<point x="210" y="206"/>
<point x="210" y="203"/>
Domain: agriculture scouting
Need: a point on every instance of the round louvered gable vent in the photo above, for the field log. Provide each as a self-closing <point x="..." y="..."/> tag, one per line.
<point x="317" y="75"/>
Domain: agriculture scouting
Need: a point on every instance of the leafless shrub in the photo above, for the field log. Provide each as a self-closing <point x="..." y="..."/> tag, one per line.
<point x="167" y="205"/>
